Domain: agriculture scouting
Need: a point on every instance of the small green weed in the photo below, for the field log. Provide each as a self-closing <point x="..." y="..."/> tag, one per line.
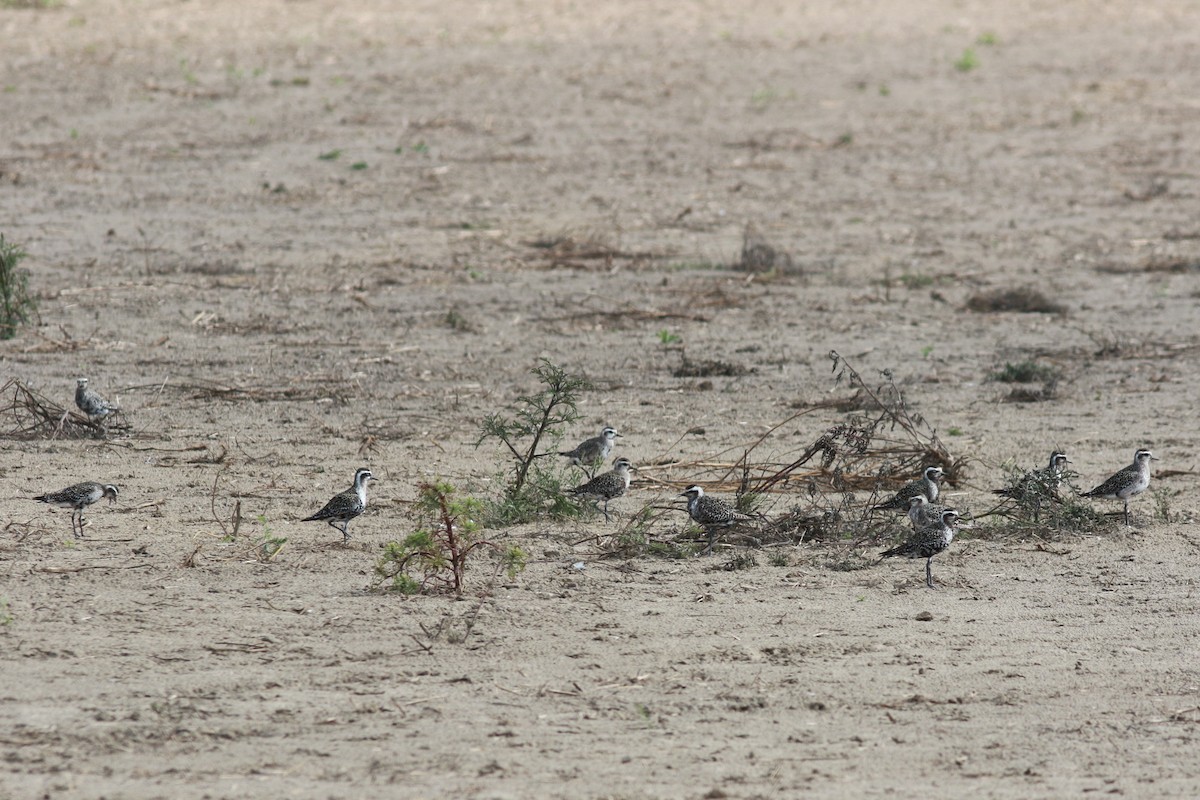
<point x="332" y="155"/>
<point x="16" y="306"/>
<point x="534" y="421"/>
<point x="268" y="545"/>
<point x="433" y="558"/>
<point x="455" y="321"/>
<point x="1162" y="504"/>
<point x="916" y="281"/>
<point x="764" y="97"/>
<point x="967" y="61"/>
<point x="665" y="337"/>
<point x="1027" y="371"/>
<point x="6" y="617"/>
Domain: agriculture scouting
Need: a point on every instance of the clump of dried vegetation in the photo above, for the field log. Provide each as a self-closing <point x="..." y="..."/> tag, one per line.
<point x="1024" y="373"/>
<point x="1038" y="504"/>
<point x="1025" y="299"/>
<point x="880" y="444"/>
<point x="760" y="256"/>
<point x="32" y="415"/>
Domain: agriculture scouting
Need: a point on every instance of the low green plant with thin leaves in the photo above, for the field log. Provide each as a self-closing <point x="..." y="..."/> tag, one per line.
<point x="1038" y="503"/>
<point x="16" y="306"/>
<point x="1162" y="504"/>
<point x="665" y="336"/>
<point x="433" y="558"/>
<point x="268" y="545"/>
<point x="1027" y="371"/>
<point x="967" y="61"/>
<point x="6" y="617"/>
<point x="528" y="431"/>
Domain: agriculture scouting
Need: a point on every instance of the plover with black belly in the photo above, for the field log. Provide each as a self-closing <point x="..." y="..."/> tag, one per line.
<point x="608" y="486"/>
<point x="711" y="513"/>
<point x="927" y="485"/>
<point x="593" y="452"/>
<point x="930" y="539"/>
<point x="1129" y="482"/>
<point x="91" y="403"/>
<point x="345" y="506"/>
<point x="77" y="498"/>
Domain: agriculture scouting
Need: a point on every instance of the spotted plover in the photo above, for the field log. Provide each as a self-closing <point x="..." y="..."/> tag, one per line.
<point x="593" y="452"/>
<point x="345" y="506"/>
<point x="1129" y="482"/>
<point x="91" y="403"/>
<point x="927" y="485"/>
<point x="608" y="486"/>
<point x="77" y="498"/>
<point x="930" y="539"/>
<point x="711" y="513"/>
<point x="922" y="512"/>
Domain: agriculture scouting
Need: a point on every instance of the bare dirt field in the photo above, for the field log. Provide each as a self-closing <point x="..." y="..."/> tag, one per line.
<point x="296" y="238"/>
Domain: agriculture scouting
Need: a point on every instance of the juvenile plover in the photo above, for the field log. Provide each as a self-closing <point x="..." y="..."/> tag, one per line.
<point x="711" y="513"/>
<point x="593" y="452"/>
<point x="77" y="498"/>
<point x="91" y="403"/>
<point x="930" y="539"/>
<point x="345" y="506"/>
<point x="608" y="486"/>
<point x="1129" y="482"/>
<point x="927" y="485"/>
<point x="922" y="512"/>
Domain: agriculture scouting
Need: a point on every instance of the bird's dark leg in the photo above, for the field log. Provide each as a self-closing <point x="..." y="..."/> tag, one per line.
<point x="1126" y="513"/>
<point x="712" y="540"/>
<point x="345" y="532"/>
<point x="78" y="532"/>
<point x="605" y="512"/>
<point x="929" y="573"/>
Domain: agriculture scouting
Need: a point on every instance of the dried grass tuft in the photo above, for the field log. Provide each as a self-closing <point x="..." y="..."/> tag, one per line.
<point x="35" y="416"/>
<point x="1025" y="300"/>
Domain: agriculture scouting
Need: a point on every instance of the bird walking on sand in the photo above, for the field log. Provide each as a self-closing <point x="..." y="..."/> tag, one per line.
<point x="77" y="498"/>
<point x="345" y="506"/>
<point x="589" y="454"/>
<point x="91" y="403"/>
<point x="711" y="513"/>
<point x="1129" y="482"/>
<point x="930" y="539"/>
<point x="927" y="485"/>
<point x="608" y="486"/>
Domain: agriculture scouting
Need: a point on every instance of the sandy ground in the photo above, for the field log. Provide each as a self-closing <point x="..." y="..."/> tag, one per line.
<point x="161" y="162"/>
